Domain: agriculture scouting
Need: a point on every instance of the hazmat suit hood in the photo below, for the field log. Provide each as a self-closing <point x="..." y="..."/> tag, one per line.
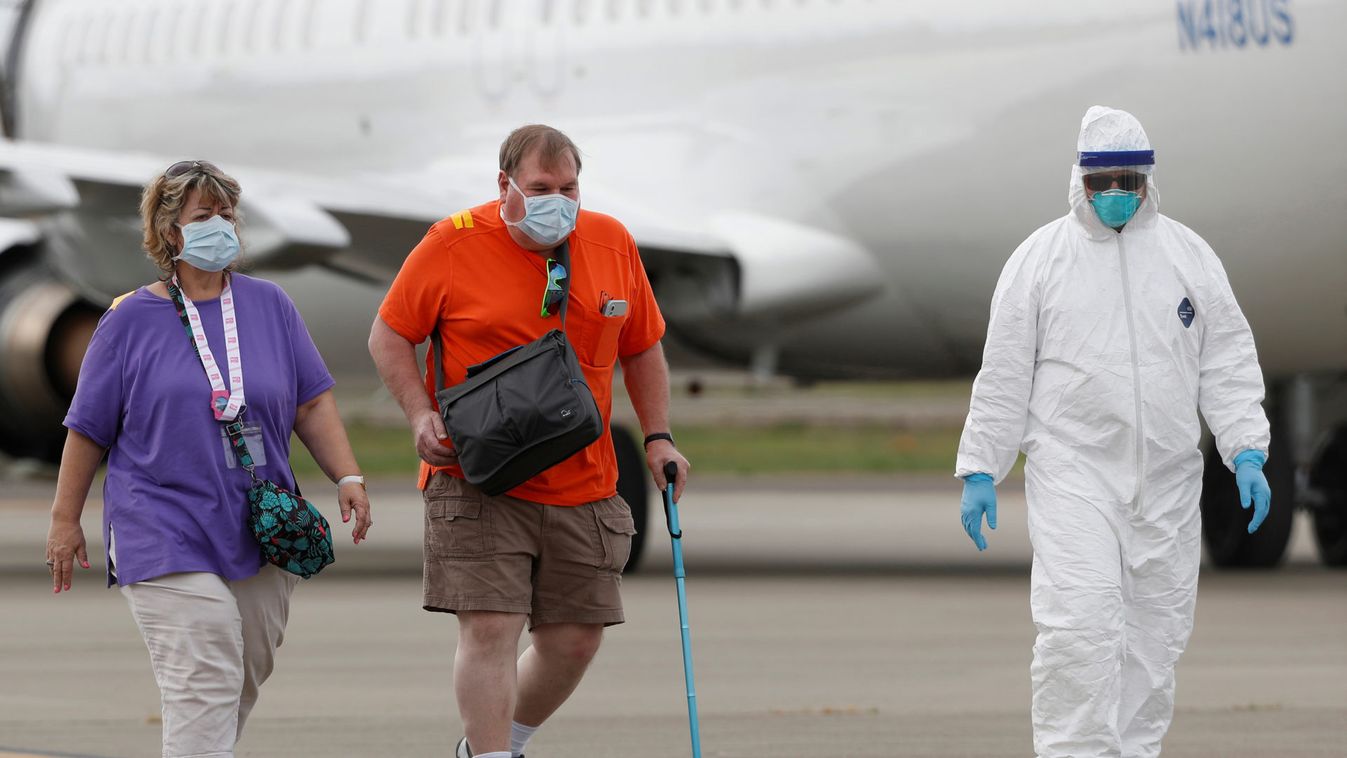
<point x="1105" y="129"/>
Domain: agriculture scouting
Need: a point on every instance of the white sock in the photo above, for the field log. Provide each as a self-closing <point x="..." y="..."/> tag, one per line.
<point x="519" y="737"/>
<point x="500" y="754"/>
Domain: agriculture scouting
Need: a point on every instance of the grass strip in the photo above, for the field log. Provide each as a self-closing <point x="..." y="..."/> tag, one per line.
<point x="788" y="447"/>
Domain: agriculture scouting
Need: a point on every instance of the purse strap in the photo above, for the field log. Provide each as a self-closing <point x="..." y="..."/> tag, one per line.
<point x="564" y="253"/>
<point x="240" y="446"/>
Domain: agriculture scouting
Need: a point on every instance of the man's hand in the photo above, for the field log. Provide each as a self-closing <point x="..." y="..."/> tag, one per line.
<point x="1253" y="486"/>
<point x="979" y="498"/>
<point x="432" y="441"/>
<point x="660" y="452"/>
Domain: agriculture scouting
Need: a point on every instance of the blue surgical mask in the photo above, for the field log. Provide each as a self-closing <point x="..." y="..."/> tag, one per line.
<point x="209" y="245"/>
<point x="548" y="219"/>
<point x="1115" y="207"/>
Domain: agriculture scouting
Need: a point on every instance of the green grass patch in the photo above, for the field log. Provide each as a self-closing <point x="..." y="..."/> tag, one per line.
<point x="809" y="448"/>
<point x="793" y="447"/>
<point x="380" y="450"/>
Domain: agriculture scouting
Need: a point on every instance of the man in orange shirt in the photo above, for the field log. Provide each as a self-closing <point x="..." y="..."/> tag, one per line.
<point x="550" y="551"/>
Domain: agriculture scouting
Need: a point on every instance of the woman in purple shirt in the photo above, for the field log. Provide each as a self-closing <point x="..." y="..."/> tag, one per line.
<point x="175" y="512"/>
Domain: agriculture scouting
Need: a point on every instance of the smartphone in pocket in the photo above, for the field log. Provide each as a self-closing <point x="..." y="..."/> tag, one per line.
<point x="614" y="316"/>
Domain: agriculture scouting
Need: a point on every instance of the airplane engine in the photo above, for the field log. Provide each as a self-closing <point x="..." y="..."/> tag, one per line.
<point x="45" y="327"/>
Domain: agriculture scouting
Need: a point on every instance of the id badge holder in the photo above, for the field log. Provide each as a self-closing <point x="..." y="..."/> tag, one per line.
<point x="252" y="434"/>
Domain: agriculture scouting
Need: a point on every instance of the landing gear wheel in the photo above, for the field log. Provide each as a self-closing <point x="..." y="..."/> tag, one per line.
<point x="633" y="485"/>
<point x="1330" y="533"/>
<point x="1329" y="477"/>
<point x="1225" y="525"/>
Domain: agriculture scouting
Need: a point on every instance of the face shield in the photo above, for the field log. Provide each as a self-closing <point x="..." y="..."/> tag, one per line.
<point x="1116" y="183"/>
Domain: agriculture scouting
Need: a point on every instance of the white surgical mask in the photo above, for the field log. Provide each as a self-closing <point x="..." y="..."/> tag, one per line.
<point x="548" y="219"/>
<point x="209" y="245"/>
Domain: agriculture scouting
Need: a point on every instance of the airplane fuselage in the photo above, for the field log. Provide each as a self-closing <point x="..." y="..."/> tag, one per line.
<point x="935" y="139"/>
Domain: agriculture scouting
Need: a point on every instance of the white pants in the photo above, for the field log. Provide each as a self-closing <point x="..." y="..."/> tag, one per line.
<point x="1113" y="591"/>
<point x="212" y="643"/>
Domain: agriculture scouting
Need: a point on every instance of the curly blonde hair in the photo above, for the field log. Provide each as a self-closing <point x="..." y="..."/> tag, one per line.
<point x="162" y="200"/>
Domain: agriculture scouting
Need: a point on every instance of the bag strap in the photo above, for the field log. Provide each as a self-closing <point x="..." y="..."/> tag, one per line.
<point x="437" y="345"/>
<point x="236" y="441"/>
<point x="175" y="295"/>
<point x="240" y="446"/>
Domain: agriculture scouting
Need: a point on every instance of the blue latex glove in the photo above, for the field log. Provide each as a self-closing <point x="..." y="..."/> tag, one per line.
<point x="979" y="497"/>
<point x="1253" y="487"/>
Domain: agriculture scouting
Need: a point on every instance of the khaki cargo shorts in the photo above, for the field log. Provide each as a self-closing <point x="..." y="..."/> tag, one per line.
<point x="556" y="563"/>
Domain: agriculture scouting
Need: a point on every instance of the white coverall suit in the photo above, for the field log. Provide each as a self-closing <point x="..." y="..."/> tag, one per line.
<point x="1091" y="370"/>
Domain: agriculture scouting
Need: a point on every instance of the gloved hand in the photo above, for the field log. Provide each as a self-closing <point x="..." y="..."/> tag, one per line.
<point x="979" y="497"/>
<point x="1253" y="487"/>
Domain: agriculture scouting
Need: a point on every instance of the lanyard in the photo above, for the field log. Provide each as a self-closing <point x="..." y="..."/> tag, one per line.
<point x="225" y="404"/>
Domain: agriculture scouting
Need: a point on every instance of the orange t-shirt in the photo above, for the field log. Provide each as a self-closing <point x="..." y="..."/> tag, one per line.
<point x="484" y="293"/>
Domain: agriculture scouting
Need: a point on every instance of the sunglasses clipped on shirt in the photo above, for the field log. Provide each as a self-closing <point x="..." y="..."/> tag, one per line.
<point x="1128" y="181"/>
<point x="553" y="295"/>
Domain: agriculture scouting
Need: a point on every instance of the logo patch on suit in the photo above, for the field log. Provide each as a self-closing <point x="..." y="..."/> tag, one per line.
<point x="1186" y="313"/>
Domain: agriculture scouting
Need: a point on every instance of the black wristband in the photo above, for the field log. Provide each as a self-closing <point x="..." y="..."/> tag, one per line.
<point x="659" y="436"/>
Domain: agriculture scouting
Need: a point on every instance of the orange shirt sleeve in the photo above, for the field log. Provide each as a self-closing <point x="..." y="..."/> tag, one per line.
<point x="645" y="324"/>
<point x="419" y="296"/>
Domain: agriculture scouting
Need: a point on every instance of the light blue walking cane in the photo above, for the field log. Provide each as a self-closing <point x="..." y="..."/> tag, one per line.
<point x="676" y="538"/>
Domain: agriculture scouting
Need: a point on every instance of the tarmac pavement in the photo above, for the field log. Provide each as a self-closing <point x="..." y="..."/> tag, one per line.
<point x="830" y="617"/>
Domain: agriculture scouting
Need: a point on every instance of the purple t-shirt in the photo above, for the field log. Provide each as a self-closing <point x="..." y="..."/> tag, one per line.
<point x="175" y="497"/>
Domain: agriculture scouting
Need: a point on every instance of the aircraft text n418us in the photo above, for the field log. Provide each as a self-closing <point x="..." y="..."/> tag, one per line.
<point x="1234" y="24"/>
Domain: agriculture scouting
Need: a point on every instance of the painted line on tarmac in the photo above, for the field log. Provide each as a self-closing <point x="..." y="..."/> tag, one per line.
<point x="10" y="753"/>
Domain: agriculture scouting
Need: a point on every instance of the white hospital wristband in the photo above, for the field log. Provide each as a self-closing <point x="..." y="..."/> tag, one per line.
<point x="352" y="479"/>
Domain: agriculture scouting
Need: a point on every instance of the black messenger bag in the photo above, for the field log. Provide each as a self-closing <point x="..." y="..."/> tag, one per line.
<point x="521" y="412"/>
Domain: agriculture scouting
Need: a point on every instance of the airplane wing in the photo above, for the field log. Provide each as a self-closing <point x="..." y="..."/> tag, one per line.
<point x="733" y="265"/>
<point x="742" y="265"/>
<point x="87" y="203"/>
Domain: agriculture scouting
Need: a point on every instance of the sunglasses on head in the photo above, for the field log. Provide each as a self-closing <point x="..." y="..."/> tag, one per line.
<point x="1128" y="181"/>
<point x="555" y="293"/>
<point x="182" y="167"/>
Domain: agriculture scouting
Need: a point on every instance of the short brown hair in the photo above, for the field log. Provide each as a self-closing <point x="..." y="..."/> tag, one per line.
<point x="550" y="144"/>
<point x="163" y="198"/>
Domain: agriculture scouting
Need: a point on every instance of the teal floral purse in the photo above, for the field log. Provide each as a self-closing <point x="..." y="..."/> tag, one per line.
<point x="293" y="534"/>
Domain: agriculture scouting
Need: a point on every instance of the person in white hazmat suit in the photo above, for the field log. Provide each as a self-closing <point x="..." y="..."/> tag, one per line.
<point x="1110" y="327"/>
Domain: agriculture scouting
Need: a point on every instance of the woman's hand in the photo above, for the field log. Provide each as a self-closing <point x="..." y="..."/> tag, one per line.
<point x="353" y="499"/>
<point x="65" y="545"/>
<point x="65" y="538"/>
<point x="320" y="429"/>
